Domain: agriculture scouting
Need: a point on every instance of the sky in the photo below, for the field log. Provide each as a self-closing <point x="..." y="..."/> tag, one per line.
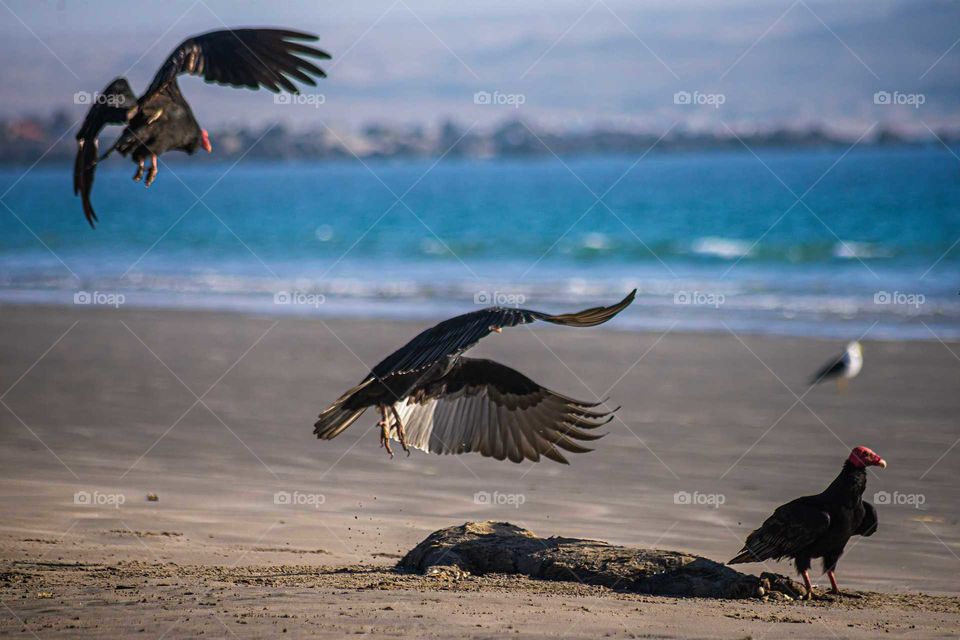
<point x="562" y="63"/>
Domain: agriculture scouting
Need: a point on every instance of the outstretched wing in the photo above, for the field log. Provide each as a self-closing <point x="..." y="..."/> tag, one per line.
<point x="483" y="406"/>
<point x="456" y="335"/>
<point x="869" y="524"/>
<point x="830" y="370"/>
<point x="111" y="106"/>
<point x="253" y="58"/>
<point x="790" y="529"/>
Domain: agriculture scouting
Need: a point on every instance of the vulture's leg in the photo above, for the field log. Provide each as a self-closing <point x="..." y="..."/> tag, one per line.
<point x="139" y="173"/>
<point x="806" y="582"/>
<point x="400" y="434"/>
<point x="384" y="430"/>
<point x="152" y="171"/>
<point x="833" y="583"/>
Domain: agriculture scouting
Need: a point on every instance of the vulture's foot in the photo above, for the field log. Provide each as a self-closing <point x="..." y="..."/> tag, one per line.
<point x="139" y="173"/>
<point x="400" y="433"/>
<point x="151" y="172"/>
<point x="809" y="586"/>
<point x="384" y="425"/>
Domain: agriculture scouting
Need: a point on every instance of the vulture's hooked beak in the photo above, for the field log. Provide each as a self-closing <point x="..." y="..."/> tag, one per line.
<point x="205" y="141"/>
<point x="882" y="464"/>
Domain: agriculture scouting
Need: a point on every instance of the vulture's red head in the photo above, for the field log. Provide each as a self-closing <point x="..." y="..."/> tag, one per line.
<point x="205" y="141"/>
<point x="862" y="457"/>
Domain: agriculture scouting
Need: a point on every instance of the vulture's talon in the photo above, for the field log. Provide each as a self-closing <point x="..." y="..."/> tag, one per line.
<point x="139" y="172"/>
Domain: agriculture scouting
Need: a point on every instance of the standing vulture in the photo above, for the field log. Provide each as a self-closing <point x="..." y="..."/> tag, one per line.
<point x="842" y="368"/>
<point x="160" y="120"/>
<point x="818" y="526"/>
<point x="433" y="398"/>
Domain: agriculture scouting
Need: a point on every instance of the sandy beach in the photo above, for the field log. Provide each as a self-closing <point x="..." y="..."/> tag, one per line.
<point x="257" y="527"/>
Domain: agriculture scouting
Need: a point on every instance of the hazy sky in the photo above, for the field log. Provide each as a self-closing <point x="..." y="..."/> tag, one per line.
<point x="570" y="63"/>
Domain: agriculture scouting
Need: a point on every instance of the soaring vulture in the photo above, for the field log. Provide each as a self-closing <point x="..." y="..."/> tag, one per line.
<point x="842" y="368"/>
<point x="161" y="120"/>
<point x="433" y="398"/>
<point x="818" y="526"/>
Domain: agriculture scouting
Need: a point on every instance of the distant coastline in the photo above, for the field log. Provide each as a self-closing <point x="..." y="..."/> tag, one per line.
<point x="49" y="140"/>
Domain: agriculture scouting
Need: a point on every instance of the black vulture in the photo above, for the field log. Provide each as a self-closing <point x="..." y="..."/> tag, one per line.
<point x="433" y="398"/>
<point x="818" y="526"/>
<point x="160" y="120"/>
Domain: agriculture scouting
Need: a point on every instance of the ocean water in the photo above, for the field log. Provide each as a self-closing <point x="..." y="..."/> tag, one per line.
<point x="793" y="242"/>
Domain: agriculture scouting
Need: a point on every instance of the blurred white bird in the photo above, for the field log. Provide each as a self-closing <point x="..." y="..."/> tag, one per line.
<point x="842" y="368"/>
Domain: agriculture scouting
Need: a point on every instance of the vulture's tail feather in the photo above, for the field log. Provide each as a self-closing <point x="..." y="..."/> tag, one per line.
<point x="341" y="414"/>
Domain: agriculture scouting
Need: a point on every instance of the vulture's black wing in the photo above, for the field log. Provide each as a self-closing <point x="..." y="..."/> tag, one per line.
<point x="483" y="406"/>
<point x="111" y="106"/>
<point x="456" y="335"/>
<point x="830" y="370"/>
<point x="253" y="58"/>
<point x="790" y="529"/>
<point x="869" y="524"/>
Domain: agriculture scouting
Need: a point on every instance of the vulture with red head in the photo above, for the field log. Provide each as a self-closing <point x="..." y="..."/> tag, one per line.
<point x="160" y="120"/>
<point x="818" y="526"/>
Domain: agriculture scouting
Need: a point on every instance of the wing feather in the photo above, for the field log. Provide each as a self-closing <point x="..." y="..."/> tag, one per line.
<point x="110" y="106"/>
<point x="791" y="528"/>
<point x="249" y="58"/>
<point x="485" y="407"/>
<point x="454" y="336"/>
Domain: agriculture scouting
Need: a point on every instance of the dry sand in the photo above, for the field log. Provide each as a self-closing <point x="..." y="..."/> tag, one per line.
<point x="213" y="413"/>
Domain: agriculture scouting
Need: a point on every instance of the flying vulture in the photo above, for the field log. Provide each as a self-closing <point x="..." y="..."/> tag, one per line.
<point x="160" y="120"/>
<point x="818" y="526"/>
<point x="433" y="398"/>
<point x="842" y="368"/>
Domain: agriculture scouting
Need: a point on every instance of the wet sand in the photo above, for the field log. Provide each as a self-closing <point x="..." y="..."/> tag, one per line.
<point x="256" y="520"/>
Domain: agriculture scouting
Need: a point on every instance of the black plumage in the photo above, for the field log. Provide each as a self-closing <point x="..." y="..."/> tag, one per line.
<point x="433" y="398"/>
<point x="161" y="120"/>
<point x="818" y="526"/>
